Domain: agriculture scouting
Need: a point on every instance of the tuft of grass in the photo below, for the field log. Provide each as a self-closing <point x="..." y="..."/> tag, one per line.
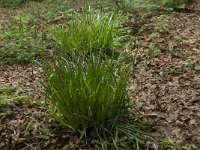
<point x="90" y="97"/>
<point x="90" y="32"/>
<point x="86" y="92"/>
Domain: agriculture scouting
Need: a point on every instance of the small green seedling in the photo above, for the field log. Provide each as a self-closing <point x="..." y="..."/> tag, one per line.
<point x="197" y="67"/>
<point x="174" y="145"/>
<point x="9" y="96"/>
<point x="2" y="115"/>
<point x="145" y="27"/>
<point x="8" y="101"/>
<point x="153" y="49"/>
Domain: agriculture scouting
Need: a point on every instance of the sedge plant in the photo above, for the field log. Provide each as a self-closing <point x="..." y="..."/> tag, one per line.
<point x="90" y="32"/>
<point x="86" y="89"/>
<point x="89" y="96"/>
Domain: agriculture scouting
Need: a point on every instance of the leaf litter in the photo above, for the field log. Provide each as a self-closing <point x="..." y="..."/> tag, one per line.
<point x="168" y="91"/>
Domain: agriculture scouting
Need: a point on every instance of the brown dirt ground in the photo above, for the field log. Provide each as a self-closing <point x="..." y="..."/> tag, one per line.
<point x="168" y="89"/>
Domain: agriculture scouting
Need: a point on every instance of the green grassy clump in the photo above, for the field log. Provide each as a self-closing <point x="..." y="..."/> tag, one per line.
<point x="90" y="96"/>
<point x="11" y="3"/>
<point x="90" y="32"/>
<point x="86" y="89"/>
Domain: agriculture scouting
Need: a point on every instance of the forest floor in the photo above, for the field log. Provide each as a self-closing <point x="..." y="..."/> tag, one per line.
<point x="166" y="88"/>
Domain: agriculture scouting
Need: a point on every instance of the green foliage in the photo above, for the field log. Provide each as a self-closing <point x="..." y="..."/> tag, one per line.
<point x="153" y="49"/>
<point x="90" y="32"/>
<point x="22" y="53"/>
<point x="2" y="115"/>
<point x="11" y="3"/>
<point x="132" y="5"/>
<point x="176" y="4"/>
<point x="87" y="93"/>
<point x="7" y="90"/>
<point x="7" y="101"/>
<point x="197" y="67"/>
<point x="173" y="145"/>
<point x="9" y="96"/>
<point x="19" y="45"/>
<point x="89" y="96"/>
